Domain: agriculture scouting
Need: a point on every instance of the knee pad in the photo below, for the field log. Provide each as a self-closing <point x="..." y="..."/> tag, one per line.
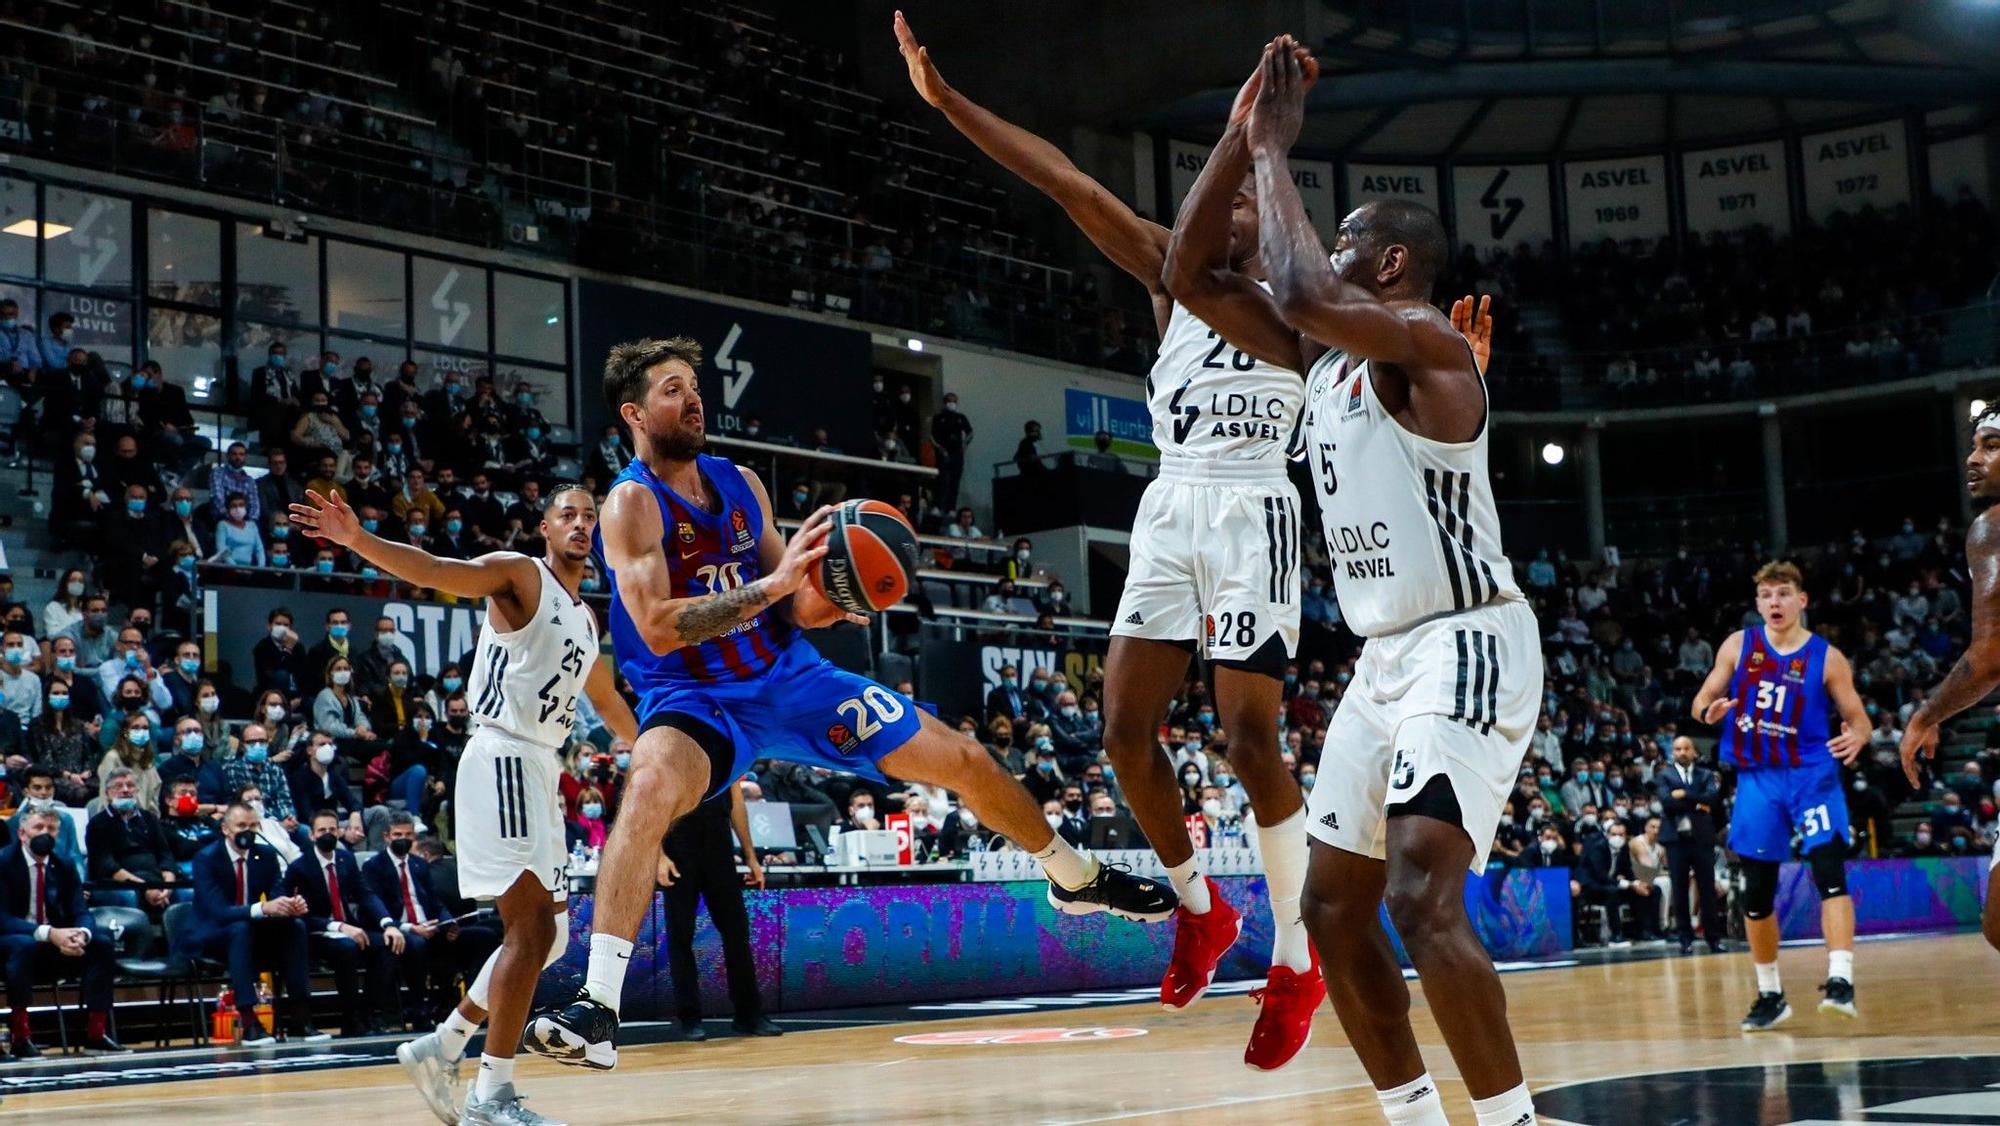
<point x="1829" y="869"/>
<point x="1760" y="888"/>
<point x="561" y="943"/>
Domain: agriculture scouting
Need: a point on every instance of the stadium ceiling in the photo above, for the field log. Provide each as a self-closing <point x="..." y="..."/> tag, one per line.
<point x="1469" y="78"/>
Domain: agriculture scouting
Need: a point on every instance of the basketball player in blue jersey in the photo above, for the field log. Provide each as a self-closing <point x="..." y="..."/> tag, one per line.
<point x="1977" y="672"/>
<point x="1770" y="690"/>
<point x="707" y="603"/>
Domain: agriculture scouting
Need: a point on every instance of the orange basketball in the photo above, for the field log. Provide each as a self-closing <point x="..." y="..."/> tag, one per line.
<point x="871" y="557"/>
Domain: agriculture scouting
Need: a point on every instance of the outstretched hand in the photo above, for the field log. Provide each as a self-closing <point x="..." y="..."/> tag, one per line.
<point x="327" y="517"/>
<point x="1278" y="109"/>
<point x="923" y="73"/>
<point x="1920" y="740"/>
<point x="1846" y="746"/>
<point x="1476" y="325"/>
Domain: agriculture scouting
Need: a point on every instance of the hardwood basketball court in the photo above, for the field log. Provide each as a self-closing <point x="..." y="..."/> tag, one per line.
<point x="1671" y="1019"/>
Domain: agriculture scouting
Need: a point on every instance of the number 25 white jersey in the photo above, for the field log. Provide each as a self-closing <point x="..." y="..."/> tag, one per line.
<point x="1215" y="403"/>
<point x="525" y="682"/>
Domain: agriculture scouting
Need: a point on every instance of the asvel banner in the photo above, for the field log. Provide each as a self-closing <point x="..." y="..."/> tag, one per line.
<point x="794" y="374"/>
<point x="1314" y="178"/>
<point x="1500" y="206"/>
<point x="1846" y="169"/>
<point x="1128" y="422"/>
<point x="1417" y="183"/>
<point x="1616" y="199"/>
<point x="1741" y="186"/>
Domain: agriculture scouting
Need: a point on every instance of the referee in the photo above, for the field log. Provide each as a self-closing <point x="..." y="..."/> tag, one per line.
<point x="698" y="863"/>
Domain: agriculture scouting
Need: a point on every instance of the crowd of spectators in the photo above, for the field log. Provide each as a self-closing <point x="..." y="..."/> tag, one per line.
<point x="1860" y="298"/>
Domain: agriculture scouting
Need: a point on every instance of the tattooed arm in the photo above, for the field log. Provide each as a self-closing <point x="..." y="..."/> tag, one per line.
<point x="1978" y="671"/>
<point x="633" y="546"/>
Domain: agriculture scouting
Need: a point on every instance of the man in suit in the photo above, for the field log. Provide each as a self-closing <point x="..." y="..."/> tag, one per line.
<point x="38" y="790"/>
<point x="80" y="501"/>
<point x="46" y="931"/>
<point x="277" y="490"/>
<point x="274" y="396"/>
<point x="242" y="918"/>
<point x="697" y="864"/>
<point x="1006" y="698"/>
<point x="347" y="925"/>
<point x="1606" y="876"/>
<point x="1688" y="796"/>
<point x="437" y="949"/>
<point x="169" y="421"/>
<point x="73" y="394"/>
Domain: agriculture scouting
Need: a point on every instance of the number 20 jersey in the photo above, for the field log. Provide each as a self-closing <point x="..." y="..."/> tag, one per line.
<point x="1781" y="705"/>
<point x="1212" y="402"/>
<point x="524" y="682"/>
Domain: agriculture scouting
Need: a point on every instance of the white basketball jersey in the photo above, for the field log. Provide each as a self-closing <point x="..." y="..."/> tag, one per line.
<point x="1411" y="522"/>
<point x="525" y="681"/>
<point x="1213" y="402"/>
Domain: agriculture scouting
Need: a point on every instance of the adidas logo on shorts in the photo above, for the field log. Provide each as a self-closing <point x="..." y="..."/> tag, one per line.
<point x="1331" y="820"/>
<point x="1133" y="619"/>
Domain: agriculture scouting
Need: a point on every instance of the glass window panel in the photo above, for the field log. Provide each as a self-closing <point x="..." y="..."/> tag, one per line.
<point x="96" y="251"/>
<point x="188" y="347"/>
<point x="103" y="325"/>
<point x="431" y="367"/>
<point x="184" y="258"/>
<point x="364" y="289"/>
<point x="551" y="387"/>
<point x="275" y="279"/>
<point x="531" y="322"/>
<point x="450" y="302"/>
<point x="253" y="343"/>
<point x="17" y="248"/>
<point x="29" y="299"/>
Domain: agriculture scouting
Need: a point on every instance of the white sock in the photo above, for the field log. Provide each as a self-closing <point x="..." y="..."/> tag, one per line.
<point x="1415" y="1103"/>
<point x="494" y="1073"/>
<point x="1767" y="978"/>
<point x="1509" y="1108"/>
<point x="454" y="1033"/>
<point x="605" y="981"/>
<point x="1191" y="886"/>
<point x="1840" y="964"/>
<point x="1284" y="850"/>
<point x="479" y="992"/>
<point x="1065" y="865"/>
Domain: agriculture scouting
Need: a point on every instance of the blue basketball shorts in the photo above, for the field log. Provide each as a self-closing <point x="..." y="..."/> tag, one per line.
<point x="1771" y="802"/>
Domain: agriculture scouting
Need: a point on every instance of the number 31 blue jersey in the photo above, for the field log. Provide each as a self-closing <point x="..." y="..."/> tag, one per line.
<point x="1780" y="718"/>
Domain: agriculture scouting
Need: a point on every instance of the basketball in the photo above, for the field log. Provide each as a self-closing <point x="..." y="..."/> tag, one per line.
<point x="871" y="557"/>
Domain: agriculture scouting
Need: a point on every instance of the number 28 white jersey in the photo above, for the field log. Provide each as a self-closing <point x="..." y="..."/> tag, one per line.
<point x="1212" y="402"/>
<point x="1411" y="522"/>
<point x="525" y="681"/>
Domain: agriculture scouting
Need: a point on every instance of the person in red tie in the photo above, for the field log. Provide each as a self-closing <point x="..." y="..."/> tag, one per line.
<point x="45" y="931"/>
<point x="243" y="917"/>
<point x="347" y="926"/>
<point x="438" y="948"/>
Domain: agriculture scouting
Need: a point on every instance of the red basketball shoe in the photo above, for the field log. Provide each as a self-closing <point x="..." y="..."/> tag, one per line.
<point x="1200" y="941"/>
<point x="1285" y="1015"/>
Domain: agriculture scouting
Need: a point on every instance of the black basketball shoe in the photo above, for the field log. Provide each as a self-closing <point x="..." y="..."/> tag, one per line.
<point x="1839" y="997"/>
<point x="1769" y="1012"/>
<point x="1120" y="892"/>
<point x="582" y="1033"/>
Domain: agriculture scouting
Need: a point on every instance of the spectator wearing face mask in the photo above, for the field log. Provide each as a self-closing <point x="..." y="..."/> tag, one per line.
<point x="591" y="770"/>
<point x="1922" y="843"/>
<point x="64" y="740"/>
<point x="1607" y="880"/>
<point x="963" y="833"/>
<point x="861" y="815"/>
<point x="417" y="768"/>
<point x="251" y="766"/>
<point x="1586" y="785"/>
<point x="187" y="759"/>
<point x="279" y="660"/>
<point x="190" y="825"/>
<point x="46" y="932"/>
<point x="132" y="749"/>
<point x="127" y="846"/>
<point x="347" y="926"/>
<point x="132" y="665"/>
<point x="38" y="791"/>
<point x="243" y="918"/>
<point x="339" y="712"/>
<point x="316" y="778"/>
<point x="1006" y="699"/>
<point x="1077" y="739"/>
<point x="591" y="818"/>
<point x="1044" y="778"/>
<point x="20" y="687"/>
<point x="1021" y="561"/>
<point x="372" y="667"/>
<point x="238" y="539"/>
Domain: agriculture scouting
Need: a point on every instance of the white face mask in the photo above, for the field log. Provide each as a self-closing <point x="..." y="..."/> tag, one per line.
<point x="274" y="712"/>
<point x="324" y="754"/>
<point x="1054" y="819"/>
<point x="342" y="677"/>
<point x="208" y="704"/>
<point x="1549" y="847"/>
<point x="1211" y="806"/>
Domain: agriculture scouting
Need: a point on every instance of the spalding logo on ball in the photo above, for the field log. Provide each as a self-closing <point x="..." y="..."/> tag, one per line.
<point x="871" y="557"/>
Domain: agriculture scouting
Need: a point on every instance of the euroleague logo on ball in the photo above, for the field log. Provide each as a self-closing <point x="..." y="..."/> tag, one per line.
<point x="885" y="584"/>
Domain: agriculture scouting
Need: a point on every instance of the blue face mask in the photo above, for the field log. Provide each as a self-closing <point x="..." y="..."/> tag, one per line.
<point x="454" y="526"/>
<point x="193" y="742"/>
<point x="329" y="367"/>
<point x="59" y="703"/>
<point x="132" y="659"/>
<point x="183" y="507"/>
<point x="370" y="524"/>
<point x="140" y="736"/>
<point x="534" y="433"/>
<point x="1009" y="682"/>
<point x="368" y="410"/>
<point x="624" y="760"/>
<point x="66" y="664"/>
<point x="1307" y="780"/>
<point x="136" y="506"/>
<point x="587" y="585"/>
<point x="281" y="531"/>
<point x="277" y="360"/>
<point x="255" y="753"/>
<point x="1110" y="775"/>
<point x="185" y="563"/>
<point x="10" y="324"/>
<point x="409" y="423"/>
<point x="525" y="398"/>
<point x="1597" y="776"/>
<point x="190" y="665"/>
<point x="339" y="632"/>
<point x="370" y="573"/>
<point x="593" y="811"/>
<point x="395" y="448"/>
<point x="325" y="567"/>
<point x="1046" y="767"/>
<point x="124" y="805"/>
<point x="281" y="560"/>
<point x="138" y="382"/>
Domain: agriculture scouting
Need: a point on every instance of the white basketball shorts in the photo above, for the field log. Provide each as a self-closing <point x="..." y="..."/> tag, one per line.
<point x="508" y="812"/>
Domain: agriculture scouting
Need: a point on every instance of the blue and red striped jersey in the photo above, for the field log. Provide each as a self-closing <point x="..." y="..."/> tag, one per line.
<point x="1780" y="718"/>
<point x="706" y="552"/>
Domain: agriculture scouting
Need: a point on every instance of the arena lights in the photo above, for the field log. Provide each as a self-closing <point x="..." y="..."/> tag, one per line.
<point x="1976" y="408"/>
<point x="27" y="228"/>
<point x="913" y="344"/>
<point x="1553" y="453"/>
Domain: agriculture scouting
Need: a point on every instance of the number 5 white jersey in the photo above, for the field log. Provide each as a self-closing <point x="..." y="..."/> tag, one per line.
<point x="1213" y="402"/>
<point x="525" y="681"/>
<point x="1411" y="522"/>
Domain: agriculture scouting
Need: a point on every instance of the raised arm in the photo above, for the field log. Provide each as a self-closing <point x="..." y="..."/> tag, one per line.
<point x="503" y="573"/>
<point x="1710" y="704"/>
<point x="1977" y="672"/>
<point x="633" y="532"/>
<point x="1198" y="271"/>
<point x="1855" y="726"/>
<point x="603" y="693"/>
<point x="1409" y="334"/>
<point x="1137" y="246"/>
